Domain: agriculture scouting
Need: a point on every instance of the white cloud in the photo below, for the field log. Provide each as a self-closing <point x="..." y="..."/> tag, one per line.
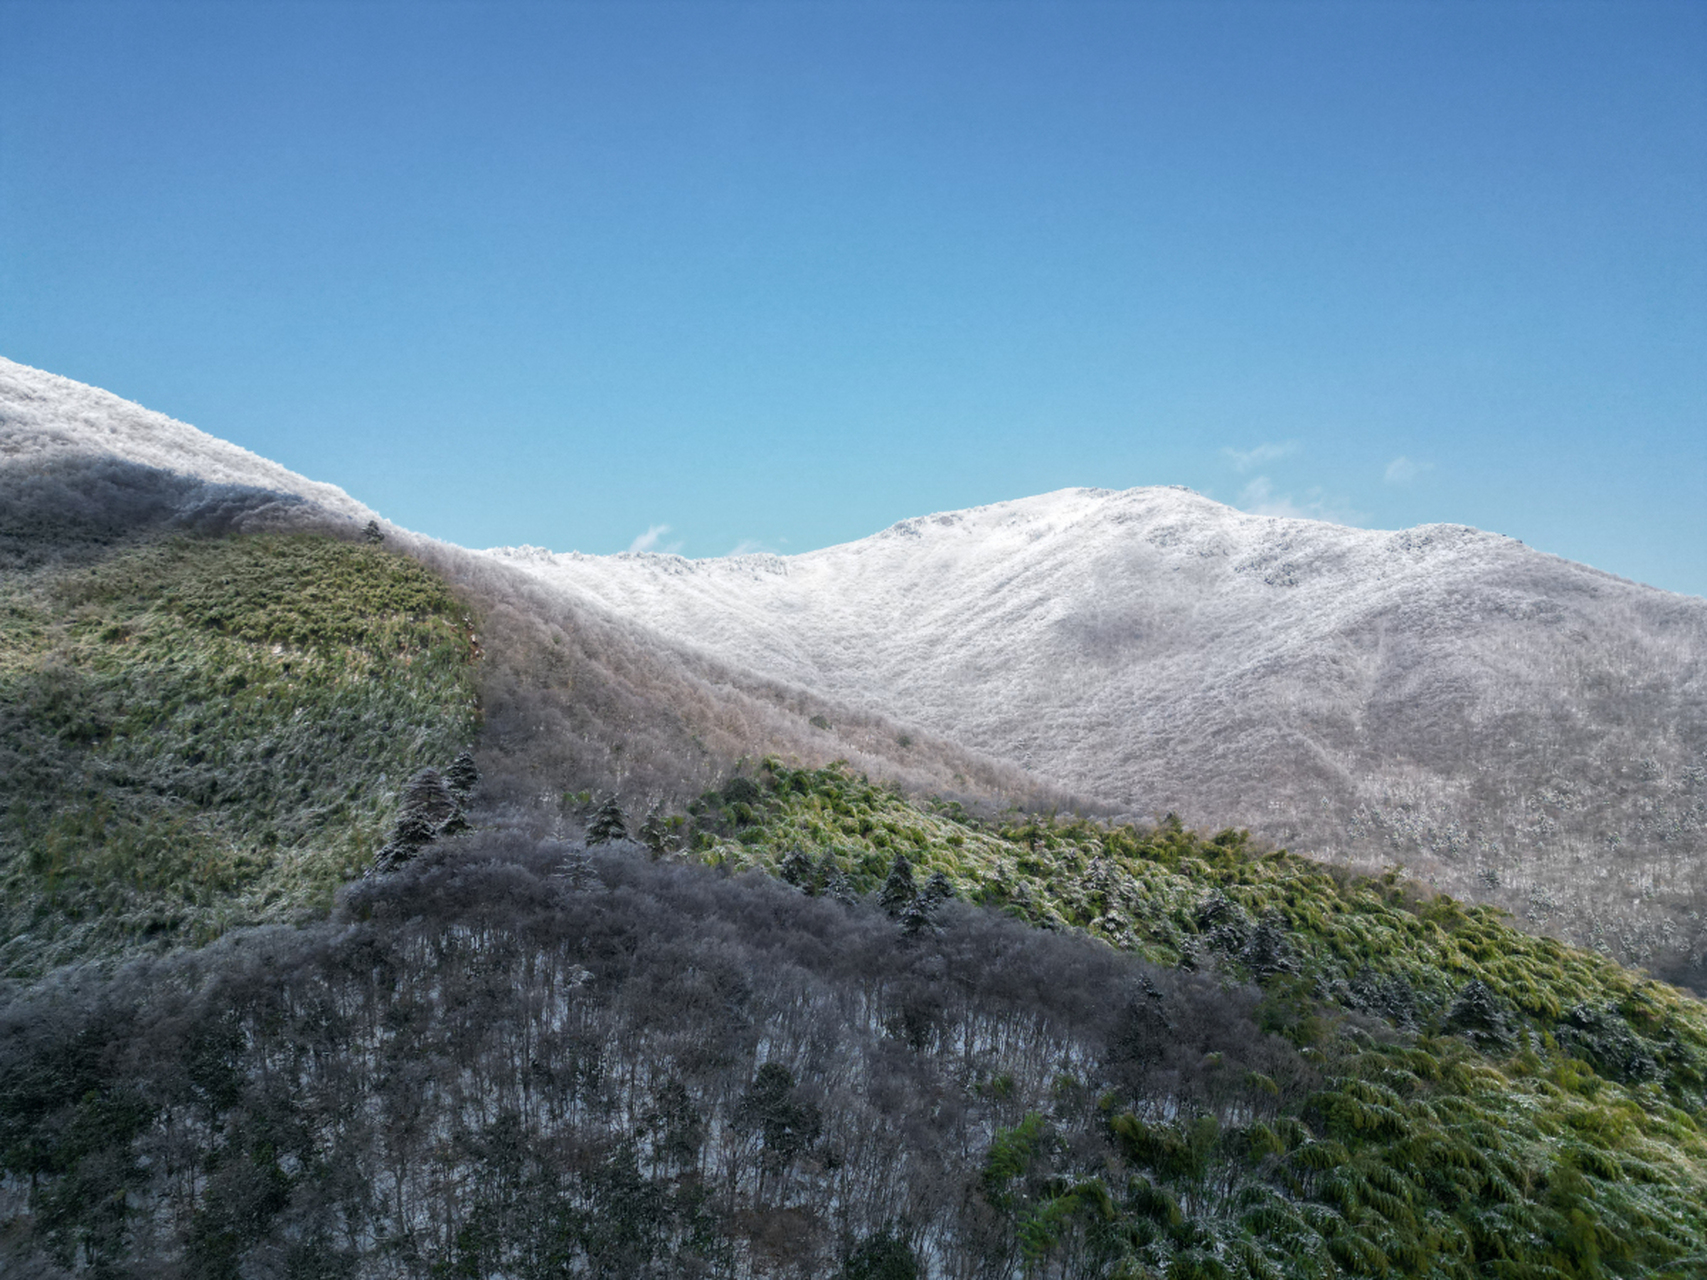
<point x="648" y="541"/>
<point x="1260" y="499"/>
<point x="1402" y="470"/>
<point x="1245" y="459"/>
<point x="749" y="546"/>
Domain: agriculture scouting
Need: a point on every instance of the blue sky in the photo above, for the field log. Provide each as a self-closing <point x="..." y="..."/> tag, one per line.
<point x="777" y="275"/>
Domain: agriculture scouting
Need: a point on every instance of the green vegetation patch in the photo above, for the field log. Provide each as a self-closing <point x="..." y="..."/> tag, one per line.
<point x="1492" y="1103"/>
<point x="197" y="733"/>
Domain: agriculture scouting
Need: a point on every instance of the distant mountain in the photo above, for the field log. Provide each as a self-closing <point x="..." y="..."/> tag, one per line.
<point x="1513" y="727"/>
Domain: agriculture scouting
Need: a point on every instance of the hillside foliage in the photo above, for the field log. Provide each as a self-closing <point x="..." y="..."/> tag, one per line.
<point x="906" y="1053"/>
<point x="197" y="732"/>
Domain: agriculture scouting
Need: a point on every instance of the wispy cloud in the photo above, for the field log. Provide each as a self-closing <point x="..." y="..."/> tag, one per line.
<point x="1402" y="470"/>
<point x="649" y="540"/>
<point x="750" y="546"/>
<point x="1246" y="459"/>
<point x="1260" y="498"/>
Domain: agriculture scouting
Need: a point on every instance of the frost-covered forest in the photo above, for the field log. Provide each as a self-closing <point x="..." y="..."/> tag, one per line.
<point x="1513" y="727"/>
<point x="377" y="908"/>
<point x="515" y="1055"/>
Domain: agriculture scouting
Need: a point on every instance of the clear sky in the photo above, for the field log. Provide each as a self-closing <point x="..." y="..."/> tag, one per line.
<point x="710" y="276"/>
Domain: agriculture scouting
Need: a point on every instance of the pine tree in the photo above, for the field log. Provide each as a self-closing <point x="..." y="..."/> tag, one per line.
<point x="463" y="776"/>
<point x="898" y="890"/>
<point x="832" y="882"/>
<point x="373" y="533"/>
<point x="938" y="889"/>
<point x="654" y="833"/>
<point x="1269" y="951"/>
<point x="428" y="810"/>
<point x="920" y="914"/>
<point x="427" y="795"/>
<point x="607" y="824"/>
<point x="916" y="918"/>
<point x="797" y="870"/>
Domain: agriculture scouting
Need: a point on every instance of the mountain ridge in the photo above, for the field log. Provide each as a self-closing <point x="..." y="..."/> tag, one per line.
<point x="1513" y="727"/>
<point x="813" y="1018"/>
<point x="1365" y="694"/>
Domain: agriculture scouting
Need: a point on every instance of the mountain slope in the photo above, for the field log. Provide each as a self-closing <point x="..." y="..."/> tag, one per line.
<point x="215" y="683"/>
<point x="1510" y="725"/>
<point x="53" y="427"/>
<point x="1514" y="728"/>
<point x="197" y="733"/>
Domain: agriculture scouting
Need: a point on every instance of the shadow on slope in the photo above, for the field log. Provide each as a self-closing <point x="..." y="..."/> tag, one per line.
<point x="70" y="507"/>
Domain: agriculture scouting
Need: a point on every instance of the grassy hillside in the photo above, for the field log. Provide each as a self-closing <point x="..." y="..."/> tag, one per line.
<point x="201" y="732"/>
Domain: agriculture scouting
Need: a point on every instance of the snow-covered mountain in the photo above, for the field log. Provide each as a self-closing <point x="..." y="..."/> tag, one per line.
<point x="76" y="460"/>
<point x="46" y="419"/>
<point x="1508" y="724"/>
<point x="574" y="695"/>
<point x="1511" y="726"/>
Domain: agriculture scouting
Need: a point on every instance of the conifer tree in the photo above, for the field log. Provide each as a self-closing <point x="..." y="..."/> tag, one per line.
<point x="920" y="914"/>
<point x="463" y="776"/>
<point x="654" y="833"/>
<point x="832" y="882"/>
<point x="428" y="810"/>
<point x="797" y="870"/>
<point x="607" y="824"/>
<point x="938" y="889"/>
<point x="898" y="890"/>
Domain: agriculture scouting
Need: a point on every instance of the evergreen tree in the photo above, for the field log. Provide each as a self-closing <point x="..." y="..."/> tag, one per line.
<point x="463" y="776"/>
<point x="786" y="1126"/>
<point x="607" y="824"/>
<point x="832" y="883"/>
<point x="373" y="533"/>
<point x="920" y="914"/>
<point x="916" y="918"/>
<point x="898" y="890"/>
<point x="797" y="870"/>
<point x="654" y="833"/>
<point x="938" y="889"/>
<point x="1269" y="951"/>
<point x="884" y="1256"/>
<point x="428" y="811"/>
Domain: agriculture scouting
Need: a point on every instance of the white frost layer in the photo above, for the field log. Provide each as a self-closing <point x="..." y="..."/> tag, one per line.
<point x="45" y="418"/>
<point x="1452" y="699"/>
<point x="1044" y="623"/>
